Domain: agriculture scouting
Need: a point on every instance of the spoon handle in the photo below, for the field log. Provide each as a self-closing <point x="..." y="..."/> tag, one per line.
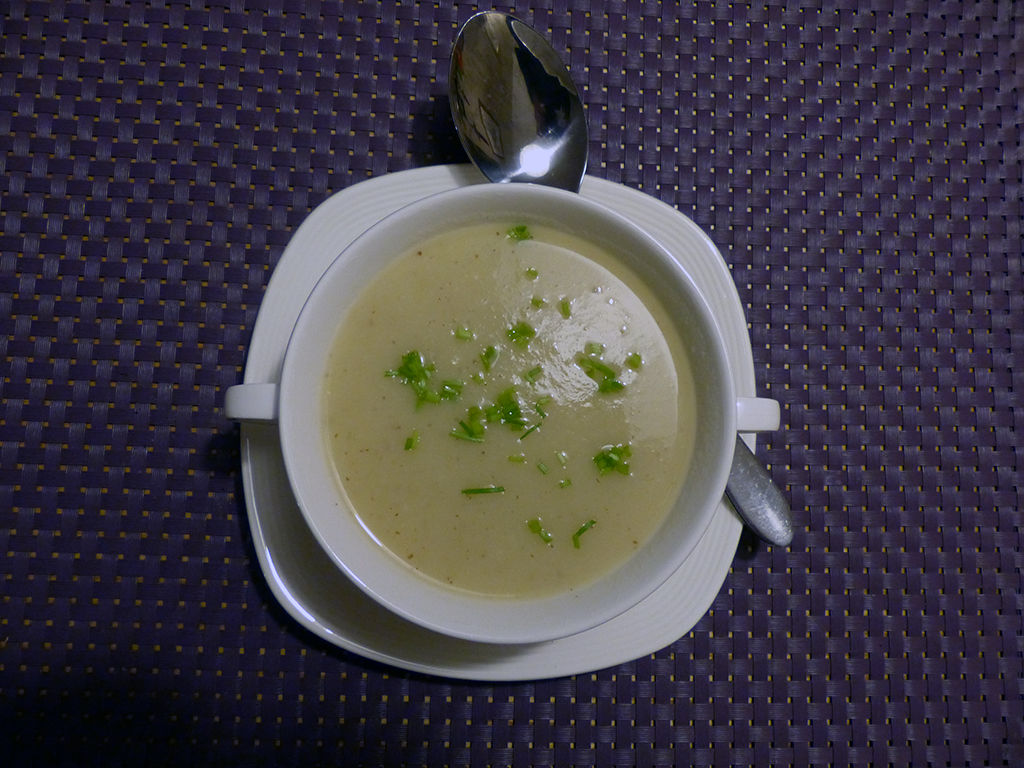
<point x="757" y="499"/>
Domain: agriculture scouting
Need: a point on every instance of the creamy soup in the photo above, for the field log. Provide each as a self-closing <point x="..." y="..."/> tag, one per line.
<point x="508" y="411"/>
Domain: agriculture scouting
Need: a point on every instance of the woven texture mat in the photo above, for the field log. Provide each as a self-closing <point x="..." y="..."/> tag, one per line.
<point x="859" y="165"/>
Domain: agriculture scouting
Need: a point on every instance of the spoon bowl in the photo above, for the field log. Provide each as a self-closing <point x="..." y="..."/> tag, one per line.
<point x="516" y="110"/>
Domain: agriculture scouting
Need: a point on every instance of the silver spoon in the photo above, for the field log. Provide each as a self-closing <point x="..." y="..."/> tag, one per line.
<point x="520" y="118"/>
<point x="516" y="110"/>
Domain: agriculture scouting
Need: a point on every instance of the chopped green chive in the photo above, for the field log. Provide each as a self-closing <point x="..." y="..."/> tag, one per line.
<point x="413" y="368"/>
<point x="604" y="374"/>
<point x="532" y="374"/>
<point x="563" y="457"/>
<point x="635" y="361"/>
<point x="580" y="531"/>
<point x="532" y="273"/>
<point x="539" y="406"/>
<point x="613" y="458"/>
<point x="544" y="469"/>
<point x="463" y="334"/>
<point x="596" y="369"/>
<point x="564" y="483"/>
<point x="483" y="490"/>
<point x="489" y="357"/>
<point x="610" y="385"/>
<point x="521" y="333"/>
<point x="416" y="372"/>
<point x="538" y="528"/>
<point x="520" y="232"/>
<point x="472" y="427"/>
<point x="593" y="348"/>
<point x="465" y="434"/>
<point x="450" y="389"/>
<point x="412" y="440"/>
<point x="530" y="431"/>
<point x="517" y="458"/>
<point x="565" y="308"/>
<point x="507" y="410"/>
<point x="537" y="302"/>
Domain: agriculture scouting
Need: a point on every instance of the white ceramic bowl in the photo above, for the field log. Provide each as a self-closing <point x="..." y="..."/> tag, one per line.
<point x="296" y="404"/>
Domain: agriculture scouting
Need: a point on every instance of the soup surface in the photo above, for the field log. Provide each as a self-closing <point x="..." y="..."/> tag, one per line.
<point x="508" y="411"/>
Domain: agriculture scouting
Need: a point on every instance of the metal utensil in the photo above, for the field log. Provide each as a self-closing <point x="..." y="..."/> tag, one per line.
<point x="516" y="110"/>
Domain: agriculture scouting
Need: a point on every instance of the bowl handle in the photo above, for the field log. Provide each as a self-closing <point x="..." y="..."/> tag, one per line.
<point x="757" y="414"/>
<point x="251" y="402"/>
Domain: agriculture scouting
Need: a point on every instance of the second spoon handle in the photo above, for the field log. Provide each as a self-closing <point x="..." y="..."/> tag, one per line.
<point x="757" y="499"/>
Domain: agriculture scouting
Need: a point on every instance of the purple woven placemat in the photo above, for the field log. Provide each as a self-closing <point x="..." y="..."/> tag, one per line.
<point x="859" y="165"/>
